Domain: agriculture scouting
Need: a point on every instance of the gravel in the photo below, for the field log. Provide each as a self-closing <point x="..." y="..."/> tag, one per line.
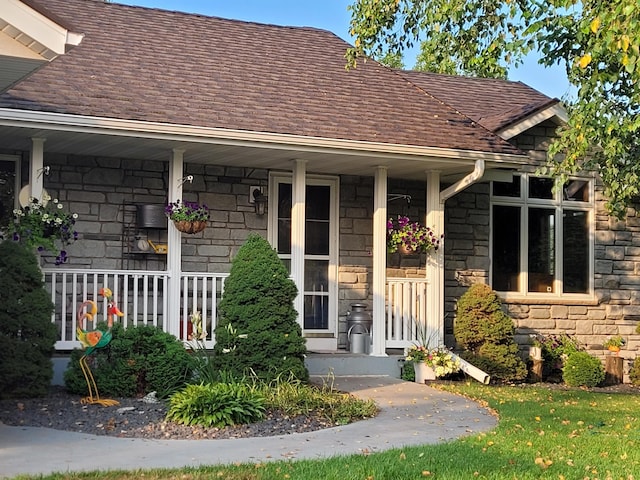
<point x="135" y="418"/>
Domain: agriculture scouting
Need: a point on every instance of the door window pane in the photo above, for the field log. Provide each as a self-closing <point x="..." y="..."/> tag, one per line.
<point x="575" y="231"/>
<point x="542" y="251"/>
<point x="7" y="191"/>
<point x="316" y="312"/>
<point x="506" y="248"/>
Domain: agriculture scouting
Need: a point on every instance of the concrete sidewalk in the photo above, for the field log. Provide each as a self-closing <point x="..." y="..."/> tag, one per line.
<point x="411" y="414"/>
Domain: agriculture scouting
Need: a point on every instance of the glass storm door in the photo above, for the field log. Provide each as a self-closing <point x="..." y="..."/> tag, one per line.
<point x="320" y="247"/>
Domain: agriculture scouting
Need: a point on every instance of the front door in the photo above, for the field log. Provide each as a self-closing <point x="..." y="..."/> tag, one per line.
<point x="319" y="319"/>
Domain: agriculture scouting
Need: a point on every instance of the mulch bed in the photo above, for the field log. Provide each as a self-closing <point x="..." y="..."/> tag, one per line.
<point x="133" y="418"/>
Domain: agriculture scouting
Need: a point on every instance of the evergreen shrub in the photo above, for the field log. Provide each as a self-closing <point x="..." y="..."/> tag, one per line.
<point x="634" y="373"/>
<point x="27" y="336"/>
<point x="582" y="370"/>
<point x="257" y="333"/>
<point x="485" y="332"/>
<point x="139" y="359"/>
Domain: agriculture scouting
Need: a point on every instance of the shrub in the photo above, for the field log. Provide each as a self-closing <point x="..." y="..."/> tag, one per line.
<point x="257" y="333"/>
<point x="485" y="332"/>
<point x="139" y="360"/>
<point x="216" y="405"/>
<point x="582" y="370"/>
<point x="27" y="336"/>
<point x="634" y="373"/>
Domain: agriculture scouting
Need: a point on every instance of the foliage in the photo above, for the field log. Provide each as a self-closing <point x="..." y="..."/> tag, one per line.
<point x="616" y="341"/>
<point x="27" y="336"/>
<point x="582" y="370"/>
<point x="440" y="359"/>
<point x="42" y="225"/>
<point x="634" y="372"/>
<point x="140" y="359"/>
<point x="555" y="350"/>
<point x="598" y="43"/>
<point x="203" y="369"/>
<point x="294" y="397"/>
<point x="187" y="211"/>
<point x="216" y="405"/>
<point x="486" y="332"/>
<point x="410" y="235"/>
<point x="257" y="332"/>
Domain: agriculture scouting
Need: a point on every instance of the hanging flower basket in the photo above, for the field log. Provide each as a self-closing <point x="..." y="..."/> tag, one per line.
<point x="186" y="226"/>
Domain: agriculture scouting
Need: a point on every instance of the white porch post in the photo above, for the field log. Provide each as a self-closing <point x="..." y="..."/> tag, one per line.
<point x="298" y="194"/>
<point x="379" y="261"/>
<point x="435" y="260"/>
<point x="174" y="242"/>
<point x="36" y="167"/>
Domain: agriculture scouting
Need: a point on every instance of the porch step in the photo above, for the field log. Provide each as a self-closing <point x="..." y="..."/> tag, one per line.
<point x="346" y="364"/>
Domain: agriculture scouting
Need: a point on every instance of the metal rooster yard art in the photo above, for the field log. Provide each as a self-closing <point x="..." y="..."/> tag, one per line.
<point x="94" y="339"/>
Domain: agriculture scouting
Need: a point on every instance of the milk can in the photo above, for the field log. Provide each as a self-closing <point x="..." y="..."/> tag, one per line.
<point x="359" y="328"/>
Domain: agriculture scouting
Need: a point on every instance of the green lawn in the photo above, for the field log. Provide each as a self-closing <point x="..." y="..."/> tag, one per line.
<point x="542" y="434"/>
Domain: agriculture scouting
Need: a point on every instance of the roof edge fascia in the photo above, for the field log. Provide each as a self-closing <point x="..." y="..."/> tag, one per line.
<point x="45" y="30"/>
<point x="555" y="110"/>
<point x="190" y="133"/>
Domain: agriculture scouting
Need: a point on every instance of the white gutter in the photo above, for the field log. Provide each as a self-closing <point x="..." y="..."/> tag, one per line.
<point x="188" y="133"/>
<point x="463" y="183"/>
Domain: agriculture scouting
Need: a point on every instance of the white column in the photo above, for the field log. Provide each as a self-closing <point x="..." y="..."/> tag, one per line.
<point x="379" y="261"/>
<point x="435" y="260"/>
<point x="298" y="194"/>
<point x="36" y="167"/>
<point x="174" y="242"/>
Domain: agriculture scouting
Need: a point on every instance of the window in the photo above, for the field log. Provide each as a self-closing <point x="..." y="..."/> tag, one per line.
<point x="541" y="237"/>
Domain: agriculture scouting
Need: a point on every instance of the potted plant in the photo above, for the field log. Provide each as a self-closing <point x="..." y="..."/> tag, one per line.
<point x="431" y="363"/>
<point x="409" y="237"/>
<point x="188" y="217"/>
<point x="45" y="226"/>
<point x="614" y="344"/>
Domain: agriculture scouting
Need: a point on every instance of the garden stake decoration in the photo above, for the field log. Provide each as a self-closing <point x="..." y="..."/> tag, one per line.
<point x="92" y="340"/>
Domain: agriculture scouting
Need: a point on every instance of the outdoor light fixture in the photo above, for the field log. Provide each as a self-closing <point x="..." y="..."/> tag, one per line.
<point x="259" y="200"/>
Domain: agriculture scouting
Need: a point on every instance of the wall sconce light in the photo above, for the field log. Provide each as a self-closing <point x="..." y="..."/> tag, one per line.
<point x="259" y="200"/>
<point x="183" y="180"/>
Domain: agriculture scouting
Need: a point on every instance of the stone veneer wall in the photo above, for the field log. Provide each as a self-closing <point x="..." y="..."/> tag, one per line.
<point x="616" y="307"/>
<point x="96" y="188"/>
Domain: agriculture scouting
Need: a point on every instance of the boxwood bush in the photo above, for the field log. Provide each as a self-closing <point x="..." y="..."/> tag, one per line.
<point x="139" y="360"/>
<point x="582" y="370"/>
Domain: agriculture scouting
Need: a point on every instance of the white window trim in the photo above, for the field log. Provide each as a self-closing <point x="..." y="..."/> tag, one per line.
<point x="524" y="202"/>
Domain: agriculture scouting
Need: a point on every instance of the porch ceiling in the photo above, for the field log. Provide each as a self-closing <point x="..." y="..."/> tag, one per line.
<point x="322" y="155"/>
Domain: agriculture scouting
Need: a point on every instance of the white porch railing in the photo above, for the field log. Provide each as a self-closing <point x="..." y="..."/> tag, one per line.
<point x="406" y="314"/>
<point x="140" y="295"/>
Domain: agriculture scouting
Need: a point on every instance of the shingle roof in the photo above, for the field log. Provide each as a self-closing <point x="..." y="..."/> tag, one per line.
<point x="493" y="103"/>
<point x="161" y="66"/>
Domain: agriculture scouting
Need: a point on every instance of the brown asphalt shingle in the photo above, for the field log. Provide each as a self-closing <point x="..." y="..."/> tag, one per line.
<point x="493" y="103"/>
<point x="161" y="66"/>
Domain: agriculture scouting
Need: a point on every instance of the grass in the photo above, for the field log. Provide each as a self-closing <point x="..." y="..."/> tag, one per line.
<point x="542" y="434"/>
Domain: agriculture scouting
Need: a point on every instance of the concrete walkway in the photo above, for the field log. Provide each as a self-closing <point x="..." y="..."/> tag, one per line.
<point x="411" y="414"/>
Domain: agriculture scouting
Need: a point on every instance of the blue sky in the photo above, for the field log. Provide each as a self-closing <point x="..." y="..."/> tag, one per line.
<point x="332" y="15"/>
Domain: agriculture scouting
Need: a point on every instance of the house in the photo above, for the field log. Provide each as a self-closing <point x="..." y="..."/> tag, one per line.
<point x="122" y="109"/>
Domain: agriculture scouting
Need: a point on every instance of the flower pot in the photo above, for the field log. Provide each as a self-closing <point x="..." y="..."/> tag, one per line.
<point x="613" y="348"/>
<point x="405" y="250"/>
<point x="190" y="227"/>
<point x="423" y="372"/>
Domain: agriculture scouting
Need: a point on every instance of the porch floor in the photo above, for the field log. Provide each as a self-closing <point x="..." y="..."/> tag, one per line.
<point x="337" y="363"/>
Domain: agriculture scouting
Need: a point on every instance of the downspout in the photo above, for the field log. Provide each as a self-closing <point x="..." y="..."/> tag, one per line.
<point x="463" y="183"/>
<point x="447" y="193"/>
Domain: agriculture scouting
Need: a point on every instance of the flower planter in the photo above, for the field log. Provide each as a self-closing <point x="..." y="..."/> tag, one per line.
<point x="613" y="348"/>
<point x="190" y="227"/>
<point x="423" y="372"/>
<point x="404" y="250"/>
